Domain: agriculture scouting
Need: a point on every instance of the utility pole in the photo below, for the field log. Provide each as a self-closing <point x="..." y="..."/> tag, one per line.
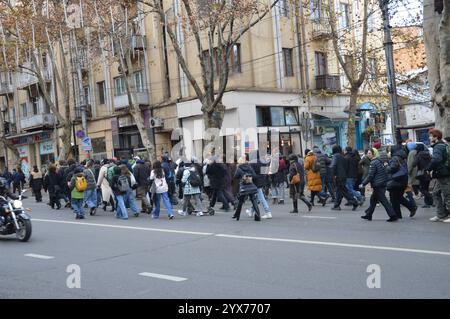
<point x="392" y="88"/>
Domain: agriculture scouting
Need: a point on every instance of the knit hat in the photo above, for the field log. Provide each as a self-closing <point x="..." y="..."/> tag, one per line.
<point x="411" y="146"/>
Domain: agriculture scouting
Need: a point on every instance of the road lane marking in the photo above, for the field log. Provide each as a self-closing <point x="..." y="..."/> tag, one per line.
<point x="319" y="217"/>
<point x="39" y="256"/>
<point x="126" y="227"/>
<point x="324" y="243"/>
<point x="160" y="276"/>
<point x="297" y="241"/>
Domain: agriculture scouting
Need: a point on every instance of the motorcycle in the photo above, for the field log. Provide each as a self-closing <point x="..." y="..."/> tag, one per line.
<point x="15" y="220"/>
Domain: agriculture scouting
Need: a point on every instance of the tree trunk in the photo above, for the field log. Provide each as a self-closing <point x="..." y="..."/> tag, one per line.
<point x="214" y="119"/>
<point x="7" y="142"/>
<point x="137" y="116"/>
<point x="66" y="139"/>
<point x="351" y="130"/>
<point x="437" y="46"/>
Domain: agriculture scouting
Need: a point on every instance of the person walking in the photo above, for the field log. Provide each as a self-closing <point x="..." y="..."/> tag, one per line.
<point x="398" y="170"/>
<point x="324" y="163"/>
<point x="78" y="185"/>
<point x="216" y="173"/>
<point x="36" y="182"/>
<point x="123" y="188"/>
<point x="364" y="165"/>
<point x="247" y="189"/>
<point x="192" y="182"/>
<point x="378" y="178"/>
<point x="297" y="184"/>
<point x="339" y="165"/>
<point x="261" y="180"/>
<point x="90" y="194"/>
<point x="312" y="168"/>
<point x="141" y="172"/>
<point x="53" y="184"/>
<point x="18" y="179"/>
<point x="104" y="185"/>
<point x="413" y="182"/>
<point x="351" y="172"/>
<point x="421" y="161"/>
<point x="440" y="166"/>
<point x="161" y="190"/>
<point x="65" y="193"/>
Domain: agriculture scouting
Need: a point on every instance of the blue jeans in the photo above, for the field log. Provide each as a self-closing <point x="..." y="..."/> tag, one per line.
<point x="90" y="197"/>
<point x="323" y="193"/>
<point x="262" y="200"/>
<point x="281" y="190"/>
<point x="77" y="205"/>
<point x="167" y="204"/>
<point x="121" y="209"/>
<point x="350" y="183"/>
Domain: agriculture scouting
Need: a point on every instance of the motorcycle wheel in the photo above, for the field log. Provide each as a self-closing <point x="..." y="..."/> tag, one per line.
<point x="24" y="233"/>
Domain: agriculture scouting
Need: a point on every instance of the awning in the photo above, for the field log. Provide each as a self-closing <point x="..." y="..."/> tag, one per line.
<point x="425" y="125"/>
<point x="26" y="134"/>
<point x="332" y="115"/>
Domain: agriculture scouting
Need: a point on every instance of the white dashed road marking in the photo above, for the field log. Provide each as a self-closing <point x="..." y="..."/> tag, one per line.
<point x="39" y="256"/>
<point x="160" y="276"/>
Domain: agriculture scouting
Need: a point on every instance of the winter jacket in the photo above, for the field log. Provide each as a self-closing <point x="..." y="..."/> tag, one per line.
<point x="437" y="164"/>
<point x="314" y="179"/>
<point x="325" y="161"/>
<point x="53" y="183"/>
<point x="377" y="175"/>
<point x="216" y="173"/>
<point x="339" y="165"/>
<point x="365" y="163"/>
<point x="422" y="160"/>
<point x="294" y="190"/>
<point x="188" y="189"/>
<point x="262" y="178"/>
<point x="90" y="178"/>
<point x="412" y="170"/>
<point x="241" y="171"/>
<point x="351" y="165"/>
<point x="141" y="172"/>
<point x="18" y="178"/>
<point x="398" y="158"/>
<point x="160" y="183"/>
<point x="36" y="180"/>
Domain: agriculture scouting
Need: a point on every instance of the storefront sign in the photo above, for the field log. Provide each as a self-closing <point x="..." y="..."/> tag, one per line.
<point x="46" y="147"/>
<point x="23" y="151"/>
<point x="31" y="139"/>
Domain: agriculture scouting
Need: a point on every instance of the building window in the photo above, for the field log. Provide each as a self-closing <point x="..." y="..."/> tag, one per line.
<point x="119" y="86"/>
<point x="372" y="68"/>
<point x="139" y="81"/>
<point x="316" y="10"/>
<point x="34" y="104"/>
<point x="24" y="108"/>
<point x="288" y="62"/>
<point x="370" y="22"/>
<point x="276" y="116"/>
<point x="101" y="92"/>
<point x="344" y="21"/>
<point x="284" y="8"/>
<point x="320" y="63"/>
<point x="235" y="59"/>
<point x="86" y="92"/>
<point x="12" y="115"/>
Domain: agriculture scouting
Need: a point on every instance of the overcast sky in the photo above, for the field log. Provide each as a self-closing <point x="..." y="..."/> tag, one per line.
<point x="406" y="12"/>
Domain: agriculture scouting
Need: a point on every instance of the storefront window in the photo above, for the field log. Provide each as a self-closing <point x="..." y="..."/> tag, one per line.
<point x="291" y="116"/>
<point x="277" y="115"/>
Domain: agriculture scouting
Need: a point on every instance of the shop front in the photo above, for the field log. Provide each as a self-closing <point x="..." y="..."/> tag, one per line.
<point x="329" y="129"/>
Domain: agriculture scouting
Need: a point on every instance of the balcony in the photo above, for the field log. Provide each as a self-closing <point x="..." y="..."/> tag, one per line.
<point x="327" y="82"/>
<point x="321" y="29"/>
<point x="138" y="42"/>
<point x="39" y="120"/>
<point x="6" y="88"/>
<point x="78" y="112"/>
<point x="121" y="101"/>
<point x="26" y="77"/>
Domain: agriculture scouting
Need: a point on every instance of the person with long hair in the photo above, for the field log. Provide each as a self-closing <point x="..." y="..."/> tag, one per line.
<point x="157" y="177"/>
<point x="296" y="191"/>
<point x="123" y="189"/>
<point x="36" y="183"/>
<point x="53" y="184"/>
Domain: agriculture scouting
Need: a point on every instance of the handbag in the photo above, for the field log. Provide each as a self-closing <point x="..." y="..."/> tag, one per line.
<point x="296" y="179"/>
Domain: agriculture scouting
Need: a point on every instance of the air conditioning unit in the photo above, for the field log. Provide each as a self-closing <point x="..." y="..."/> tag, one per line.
<point x="156" y="122"/>
<point x="3" y="108"/>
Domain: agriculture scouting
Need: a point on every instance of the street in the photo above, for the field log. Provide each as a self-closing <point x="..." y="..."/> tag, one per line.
<point x="321" y="254"/>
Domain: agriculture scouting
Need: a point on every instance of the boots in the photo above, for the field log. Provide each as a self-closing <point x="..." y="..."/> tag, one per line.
<point x="295" y="211"/>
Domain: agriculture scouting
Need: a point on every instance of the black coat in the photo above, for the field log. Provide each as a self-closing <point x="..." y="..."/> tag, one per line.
<point x="141" y="173"/>
<point x="262" y="178"/>
<point x="437" y="164"/>
<point x="339" y="165"/>
<point x="377" y="175"/>
<point x="325" y="162"/>
<point x="241" y="171"/>
<point x="398" y="159"/>
<point x="216" y="173"/>
<point x="352" y="165"/>
<point x="53" y="183"/>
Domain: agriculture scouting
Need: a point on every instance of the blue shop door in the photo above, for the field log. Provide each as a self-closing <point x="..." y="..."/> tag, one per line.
<point x="359" y="141"/>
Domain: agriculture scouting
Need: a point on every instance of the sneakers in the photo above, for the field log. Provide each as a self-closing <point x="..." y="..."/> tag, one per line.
<point x="267" y="216"/>
<point x="171" y="217"/>
<point x="447" y="220"/>
<point x="199" y="214"/>
<point x="281" y="202"/>
<point x="436" y="219"/>
<point x="413" y="212"/>
<point x="249" y="213"/>
<point x="181" y="213"/>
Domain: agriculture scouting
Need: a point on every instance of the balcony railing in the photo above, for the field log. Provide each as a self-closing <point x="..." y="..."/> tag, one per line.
<point x="138" y="42"/>
<point x="328" y="83"/>
<point x="321" y="29"/>
<point x="78" y="112"/>
<point x="26" y="77"/>
<point x="39" y="120"/>
<point x="6" y="88"/>
<point x="121" y="101"/>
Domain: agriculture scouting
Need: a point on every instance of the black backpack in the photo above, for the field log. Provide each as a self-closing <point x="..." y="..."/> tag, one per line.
<point x="194" y="179"/>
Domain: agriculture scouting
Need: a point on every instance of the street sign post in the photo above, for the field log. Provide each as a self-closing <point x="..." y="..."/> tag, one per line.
<point x="86" y="144"/>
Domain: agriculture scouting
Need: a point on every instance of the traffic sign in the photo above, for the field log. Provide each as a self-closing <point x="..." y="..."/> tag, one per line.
<point x="80" y="134"/>
<point x="86" y="144"/>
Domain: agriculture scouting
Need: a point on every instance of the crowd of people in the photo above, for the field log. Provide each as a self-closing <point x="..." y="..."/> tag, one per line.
<point x="404" y="171"/>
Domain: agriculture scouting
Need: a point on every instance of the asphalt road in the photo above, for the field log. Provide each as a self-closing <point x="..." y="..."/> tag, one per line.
<point x="322" y="254"/>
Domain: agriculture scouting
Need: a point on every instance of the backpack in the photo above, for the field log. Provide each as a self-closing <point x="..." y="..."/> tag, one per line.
<point x="194" y="179"/>
<point x="122" y="184"/>
<point x="80" y="183"/>
<point x="447" y="161"/>
<point x="315" y="167"/>
<point x="110" y="174"/>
